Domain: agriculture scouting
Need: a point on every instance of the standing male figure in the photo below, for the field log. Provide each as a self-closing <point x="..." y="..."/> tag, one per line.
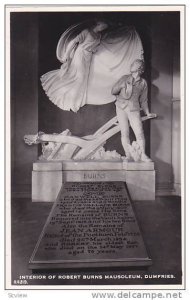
<point x="131" y="96"/>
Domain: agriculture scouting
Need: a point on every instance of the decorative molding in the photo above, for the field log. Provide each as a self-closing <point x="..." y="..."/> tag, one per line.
<point x="168" y="189"/>
<point x="164" y="192"/>
<point x="164" y="189"/>
<point x="174" y="99"/>
<point x="21" y="191"/>
<point x="177" y="188"/>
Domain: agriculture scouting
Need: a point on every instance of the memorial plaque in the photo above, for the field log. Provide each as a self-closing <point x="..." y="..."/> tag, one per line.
<point x="91" y="224"/>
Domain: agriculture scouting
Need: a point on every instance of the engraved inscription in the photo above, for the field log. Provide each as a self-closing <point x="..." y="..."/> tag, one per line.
<point x="91" y="175"/>
<point x="92" y="220"/>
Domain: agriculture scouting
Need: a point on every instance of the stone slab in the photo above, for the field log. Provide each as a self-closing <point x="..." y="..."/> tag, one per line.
<point x="91" y="225"/>
<point x="47" y="166"/>
<point x="93" y="175"/>
<point x="92" y="165"/>
<point x="138" y="166"/>
<point x="70" y="165"/>
<point x="46" y="185"/>
<point x="141" y="184"/>
<point x="140" y="177"/>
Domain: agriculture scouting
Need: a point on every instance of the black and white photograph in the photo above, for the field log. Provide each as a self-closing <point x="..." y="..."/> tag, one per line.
<point x="95" y="132"/>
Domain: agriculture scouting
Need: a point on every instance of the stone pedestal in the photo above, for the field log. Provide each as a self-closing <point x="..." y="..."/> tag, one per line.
<point x="48" y="177"/>
<point x="46" y="181"/>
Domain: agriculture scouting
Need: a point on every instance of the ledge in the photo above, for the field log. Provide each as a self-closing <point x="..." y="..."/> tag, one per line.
<point x="70" y="165"/>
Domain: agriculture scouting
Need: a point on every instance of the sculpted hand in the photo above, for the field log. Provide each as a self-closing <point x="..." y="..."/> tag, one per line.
<point x="151" y="115"/>
<point x="65" y="60"/>
<point x="92" y="50"/>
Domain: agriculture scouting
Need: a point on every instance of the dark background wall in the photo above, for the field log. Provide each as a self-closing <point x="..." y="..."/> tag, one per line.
<point x="34" y="38"/>
<point x="165" y="77"/>
<point x="24" y="96"/>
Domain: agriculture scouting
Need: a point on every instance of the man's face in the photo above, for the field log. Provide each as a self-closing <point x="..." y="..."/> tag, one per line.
<point x="134" y="68"/>
<point x="136" y="74"/>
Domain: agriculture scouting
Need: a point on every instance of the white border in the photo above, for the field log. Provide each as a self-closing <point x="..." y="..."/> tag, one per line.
<point x="43" y="8"/>
<point x="8" y="153"/>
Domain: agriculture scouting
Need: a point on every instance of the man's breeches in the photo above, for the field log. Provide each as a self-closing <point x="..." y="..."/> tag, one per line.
<point x="125" y="116"/>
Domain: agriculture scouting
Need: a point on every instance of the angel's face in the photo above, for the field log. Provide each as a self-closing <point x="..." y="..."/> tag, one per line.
<point x="100" y="26"/>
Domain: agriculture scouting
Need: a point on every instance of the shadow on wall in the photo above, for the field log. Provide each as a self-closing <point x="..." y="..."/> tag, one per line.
<point x="159" y="145"/>
<point x="161" y="166"/>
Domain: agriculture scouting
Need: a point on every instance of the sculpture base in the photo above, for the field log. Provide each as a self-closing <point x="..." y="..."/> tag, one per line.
<point x="91" y="225"/>
<point x="48" y="177"/>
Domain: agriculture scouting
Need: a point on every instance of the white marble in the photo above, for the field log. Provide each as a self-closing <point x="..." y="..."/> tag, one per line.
<point x="141" y="184"/>
<point x="48" y="177"/>
<point x="138" y="166"/>
<point x="91" y="165"/>
<point x="93" y="175"/>
<point x="46" y="185"/>
<point x="47" y="166"/>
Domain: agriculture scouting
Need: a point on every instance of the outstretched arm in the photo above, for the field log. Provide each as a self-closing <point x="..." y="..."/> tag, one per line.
<point x="144" y="101"/>
<point x="118" y="86"/>
<point x="74" y="43"/>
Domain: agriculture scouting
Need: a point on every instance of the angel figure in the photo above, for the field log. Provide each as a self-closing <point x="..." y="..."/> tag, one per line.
<point x="92" y="58"/>
<point x="67" y="86"/>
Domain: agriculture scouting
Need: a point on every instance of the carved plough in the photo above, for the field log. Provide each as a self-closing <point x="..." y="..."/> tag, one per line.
<point x="64" y="146"/>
